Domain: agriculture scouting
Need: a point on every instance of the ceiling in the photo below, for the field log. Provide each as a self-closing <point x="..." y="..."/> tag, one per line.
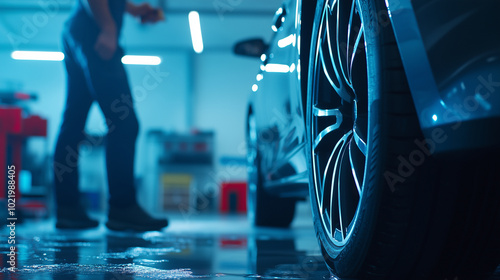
<point x="27" y="24"/>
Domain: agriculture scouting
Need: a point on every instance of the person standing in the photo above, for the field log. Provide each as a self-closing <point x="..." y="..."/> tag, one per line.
<point x="95" y="73"/>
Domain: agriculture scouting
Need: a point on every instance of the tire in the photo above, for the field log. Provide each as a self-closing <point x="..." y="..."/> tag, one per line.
<point x="383" y="206"/>
<point x="264" y="210"/>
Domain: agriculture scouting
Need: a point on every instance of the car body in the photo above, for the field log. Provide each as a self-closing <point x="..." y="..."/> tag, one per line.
<point x="432" y="74"/>
<point x="279" y="116"/>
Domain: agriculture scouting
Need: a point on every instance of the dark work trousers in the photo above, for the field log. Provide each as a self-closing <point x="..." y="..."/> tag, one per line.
<point x="89" y="79"/>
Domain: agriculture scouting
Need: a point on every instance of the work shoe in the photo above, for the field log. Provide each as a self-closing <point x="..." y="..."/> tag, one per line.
<point x="74" y="218"/>
<point x="133" y="218"/>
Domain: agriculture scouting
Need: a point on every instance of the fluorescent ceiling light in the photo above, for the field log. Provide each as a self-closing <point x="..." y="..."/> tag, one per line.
<point x="277" y="68"/>
<point x="37" y="55"/>
<point x="141" y="60"/>
<point x="195" y="26"/>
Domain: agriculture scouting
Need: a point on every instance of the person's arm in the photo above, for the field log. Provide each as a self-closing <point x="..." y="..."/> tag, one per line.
<point x="107" y="40"/>
<point x="102" y="15"/>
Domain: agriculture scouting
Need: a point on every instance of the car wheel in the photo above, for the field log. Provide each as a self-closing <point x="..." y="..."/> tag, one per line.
<point x="383" y="207"/>
<point x="263" y="209"/>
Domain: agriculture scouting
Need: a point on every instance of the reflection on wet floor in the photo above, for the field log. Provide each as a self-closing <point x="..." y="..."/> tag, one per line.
<point x="207" y="247"/>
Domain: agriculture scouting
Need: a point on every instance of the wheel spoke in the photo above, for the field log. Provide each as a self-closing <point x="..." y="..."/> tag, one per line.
<point x="324" y="132"/>
<point x="349" y="29"/>
<point x="332" y="199"/>
<point x="342" y="93"/>
<point x="360" y="143"/>
<point x="328" y="76"/>
<point x="353" y="168"/>
<point x="320" y="51"/>
<point x="332" y="6"/>
<point x="338" y="40"/>
<point x="327" y="112"/>
<point x="355" y="51"/>
<point x="339" y="189"/>
<point x="327" y="220"/>
<point x="338" y="145"/>
<point x="325" y="174"/>
<point x="335" y="182"/>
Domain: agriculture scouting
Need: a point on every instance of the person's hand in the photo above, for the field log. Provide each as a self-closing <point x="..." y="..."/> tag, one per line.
<point x="153" y="16"/>
<point x="146" y="13"/>
<point x="106" y="43"/>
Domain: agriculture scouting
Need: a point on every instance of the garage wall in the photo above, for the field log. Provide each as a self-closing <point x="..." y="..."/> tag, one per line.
<point x="163" y="107"/>
<point x="220" y="104"/>
<point x="221" y="99"/>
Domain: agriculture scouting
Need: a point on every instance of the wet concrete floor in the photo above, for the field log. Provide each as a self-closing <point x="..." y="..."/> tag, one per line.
<point x="193" y="246"/>
<point x="197" y="246"/>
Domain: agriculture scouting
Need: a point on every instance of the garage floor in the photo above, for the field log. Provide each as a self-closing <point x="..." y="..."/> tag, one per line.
<point x="194" y="246"/>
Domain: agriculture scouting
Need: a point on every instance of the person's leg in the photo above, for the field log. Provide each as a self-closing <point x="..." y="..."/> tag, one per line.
<point x="108" y="83"/>
<point x="70" y="213"/>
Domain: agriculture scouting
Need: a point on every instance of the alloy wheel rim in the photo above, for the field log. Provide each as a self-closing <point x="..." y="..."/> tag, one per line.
<point x="339" y="119"/>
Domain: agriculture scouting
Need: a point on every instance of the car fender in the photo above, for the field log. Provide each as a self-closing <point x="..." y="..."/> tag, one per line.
<point x="456" y="102"/>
